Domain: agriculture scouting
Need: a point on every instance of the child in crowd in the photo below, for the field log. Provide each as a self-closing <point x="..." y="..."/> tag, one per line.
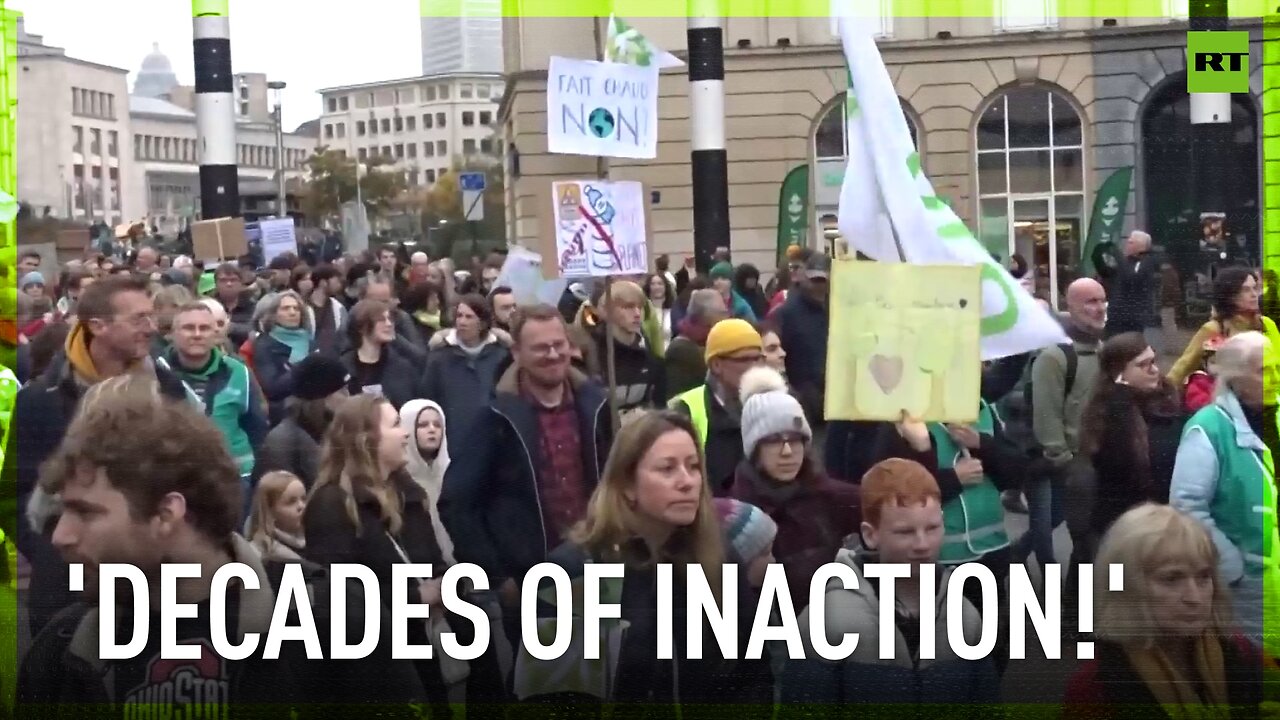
<point x="275" y="523"/>
<point x="902" y="522"/>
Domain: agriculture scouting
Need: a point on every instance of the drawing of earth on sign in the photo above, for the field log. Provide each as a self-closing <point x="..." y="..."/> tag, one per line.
<point x="601" y="123"/>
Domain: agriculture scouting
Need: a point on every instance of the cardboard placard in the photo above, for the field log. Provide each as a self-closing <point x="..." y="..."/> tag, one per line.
<point x="548" y="224"/>
<point x="221" y="239"/>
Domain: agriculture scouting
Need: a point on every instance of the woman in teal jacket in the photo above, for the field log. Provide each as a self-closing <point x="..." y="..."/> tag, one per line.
<point x="1222" y="476"/>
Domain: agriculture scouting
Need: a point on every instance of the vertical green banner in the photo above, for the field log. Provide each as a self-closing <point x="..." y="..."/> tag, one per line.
<point x="1107" y="220"/>
<point x="793" y="210"/>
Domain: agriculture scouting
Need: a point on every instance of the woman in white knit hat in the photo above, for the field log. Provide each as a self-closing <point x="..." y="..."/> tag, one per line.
<point x="778" y="474"/>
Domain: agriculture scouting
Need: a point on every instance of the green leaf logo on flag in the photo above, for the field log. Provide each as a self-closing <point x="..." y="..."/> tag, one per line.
<point x="625" y="44"/>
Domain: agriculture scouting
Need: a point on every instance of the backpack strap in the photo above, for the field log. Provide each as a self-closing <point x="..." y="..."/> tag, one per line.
<point x="1073" y="366"/>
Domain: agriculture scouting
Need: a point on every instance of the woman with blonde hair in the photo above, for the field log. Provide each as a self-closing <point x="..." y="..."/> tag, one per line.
<point x="653" y="506"/>
<point x="364" y="509"/>
<point x="1165" y="640"/>
<point x="1221" y="476"/>
<point x="275" y="522"/>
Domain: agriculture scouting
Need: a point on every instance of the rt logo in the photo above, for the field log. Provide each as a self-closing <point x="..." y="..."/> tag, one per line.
<point x="1217" y="62"/>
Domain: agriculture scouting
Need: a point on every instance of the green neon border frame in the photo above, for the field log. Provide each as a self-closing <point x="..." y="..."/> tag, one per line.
<point x="636" y="9"/>
<point x="8" y="306"/>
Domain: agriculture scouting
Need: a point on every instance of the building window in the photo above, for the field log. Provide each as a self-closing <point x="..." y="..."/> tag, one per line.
<point x="444" y="92"/>
<point x="77" y="142"/>
<point x="362" y="154"/>
<point x="427" y="123"/>
<point x="411" y="149"/>
<point x="468" y="146"/>
<point x="113" y="138"/>
<point x="75" y="101"/>
<point x="386" y="151"/>
<point x="464" y="91"/>
<point x="429" y="93"/>
<point x="482" y="91"/>
<point x="328" y="131"/>
<point x="411" y="123"/>
<point x="442" y="148"/>
<point x="486" y="118"/>
<point x="1015" y="15"/>
<point x="399" y="151"/>
<point x="111" y="107"/>
<point x="342" y="130"/>
<point x="1030" y="183"/>
<point x="468" y="118"/>
<point x="399" y="124"/>
<point x="385" y="125"/>
<point x="333" y="102"/>
<point x="440" y="120"/>
<point x="486" y="146"/>
<point x="343" y="104"/>
<point x="431" y="176"/>
<point x="359" y="128"/>
<point x="137" y="147"/>
<point x="373" y="126"/>
<point x="428" y="149"/>
<point x="95" y="142"/>
<point x="413" y="177"/>
<point x="829" y="141"/>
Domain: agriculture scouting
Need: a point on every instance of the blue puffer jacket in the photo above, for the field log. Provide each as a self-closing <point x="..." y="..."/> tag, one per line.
<point x="960" y="686"/>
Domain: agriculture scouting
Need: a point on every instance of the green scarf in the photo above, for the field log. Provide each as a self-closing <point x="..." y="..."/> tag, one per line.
<point x="297" y="339"/>
<point x="431" y="320"/>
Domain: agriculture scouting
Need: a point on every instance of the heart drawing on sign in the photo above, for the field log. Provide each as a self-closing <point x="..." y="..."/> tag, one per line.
<point x="887" y="371"/>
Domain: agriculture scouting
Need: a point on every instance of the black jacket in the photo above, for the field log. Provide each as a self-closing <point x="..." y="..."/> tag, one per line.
<point x="401" y="375"/>
<point x="240" y="319"/>
<point x="1131" y="294"/>
<point x="1122" y="482"/>
<point x="723" y="450"/>
<point x="274" y="372"/>
<point x="290" y="448"/>
<point x="641" y="375"/>
<point x="63" y="667"/>
<point x="490" y="502"/>
<point x="461" y="384"/>
<point x="802" y="328"/>
<point x="409" y="339"/>
<point x="45" y="409"/>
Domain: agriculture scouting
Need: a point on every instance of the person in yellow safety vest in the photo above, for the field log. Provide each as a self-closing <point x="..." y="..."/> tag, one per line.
<point x="733" y="348"/>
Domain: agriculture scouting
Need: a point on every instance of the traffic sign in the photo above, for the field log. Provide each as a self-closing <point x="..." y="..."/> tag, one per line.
<point x="473" y="181"/>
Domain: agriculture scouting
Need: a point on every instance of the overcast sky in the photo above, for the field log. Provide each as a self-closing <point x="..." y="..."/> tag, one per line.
<point x="309" y="44"/>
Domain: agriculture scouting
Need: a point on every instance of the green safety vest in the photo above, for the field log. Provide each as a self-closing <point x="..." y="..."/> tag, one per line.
<point x="1244" y="502"/>
<point x="696" y="400"/>
<point x="225" y="408"/>
<point x="973" y="521"/>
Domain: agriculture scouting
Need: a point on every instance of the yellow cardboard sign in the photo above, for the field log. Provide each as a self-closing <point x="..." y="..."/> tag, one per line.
<point x="904" y="337"/>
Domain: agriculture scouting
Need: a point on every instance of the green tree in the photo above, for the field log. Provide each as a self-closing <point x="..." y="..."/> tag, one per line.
<point x="331" y="182"/>
<point x="442" y="212"/>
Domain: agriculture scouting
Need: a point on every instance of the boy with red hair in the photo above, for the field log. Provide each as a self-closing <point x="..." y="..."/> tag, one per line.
<point x="901" y="523"/>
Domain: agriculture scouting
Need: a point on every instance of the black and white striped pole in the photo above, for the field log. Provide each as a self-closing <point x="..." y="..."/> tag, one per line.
<point x="1210" y="122"/>
<point x="215" y="109"/>
<point x="706" y="117"/>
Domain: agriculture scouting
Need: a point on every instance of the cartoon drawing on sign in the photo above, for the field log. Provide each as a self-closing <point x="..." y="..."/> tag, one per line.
<point x="904" y="338"/>
<point x="603" y="233"/>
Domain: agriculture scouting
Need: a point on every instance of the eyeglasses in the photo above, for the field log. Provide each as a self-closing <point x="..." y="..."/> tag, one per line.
<point x="547" y="349"/>
<point x="785" y="439"/>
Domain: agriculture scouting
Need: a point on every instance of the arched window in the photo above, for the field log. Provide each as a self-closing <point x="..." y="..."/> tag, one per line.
<point x="1030" y="184"/>
<point x="831" y="156"/>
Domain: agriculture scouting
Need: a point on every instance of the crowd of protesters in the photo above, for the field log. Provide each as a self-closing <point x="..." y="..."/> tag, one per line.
<point x="387" y="408"/>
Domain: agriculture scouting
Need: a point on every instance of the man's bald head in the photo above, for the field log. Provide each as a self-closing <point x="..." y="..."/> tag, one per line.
<point x="1087" y="305"/>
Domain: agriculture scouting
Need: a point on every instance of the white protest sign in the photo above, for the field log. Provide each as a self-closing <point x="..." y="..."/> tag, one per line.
<point x="278" y="238"/>
<point x="522" y="272"/>
<point x="600" y="228"/>
<point x="602" y="109"/>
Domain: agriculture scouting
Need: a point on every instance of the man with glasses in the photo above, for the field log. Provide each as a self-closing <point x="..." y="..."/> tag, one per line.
<point x="112" y="336"/>
<point x="733" y="347"/>
<point x="529" y="462"/>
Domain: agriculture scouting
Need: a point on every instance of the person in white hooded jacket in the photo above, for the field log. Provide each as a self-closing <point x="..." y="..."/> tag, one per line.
<point x="424" y="422"/>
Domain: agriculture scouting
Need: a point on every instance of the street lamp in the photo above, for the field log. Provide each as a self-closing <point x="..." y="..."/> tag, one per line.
<point x="282" y="209"/>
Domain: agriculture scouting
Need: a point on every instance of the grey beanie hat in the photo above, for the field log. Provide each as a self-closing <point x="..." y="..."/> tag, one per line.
<point x="768" y="409"/>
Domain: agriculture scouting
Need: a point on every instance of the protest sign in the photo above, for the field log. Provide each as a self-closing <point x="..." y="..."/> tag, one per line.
<point x="602" y="109"/>
<point x="522" y="272"/>
<point x="599" y="228"/>
<point x="278" y="238"/>
<point x="904" y="337"/>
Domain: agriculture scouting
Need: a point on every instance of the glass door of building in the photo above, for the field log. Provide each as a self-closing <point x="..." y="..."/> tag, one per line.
<point x="1045" y="230"/>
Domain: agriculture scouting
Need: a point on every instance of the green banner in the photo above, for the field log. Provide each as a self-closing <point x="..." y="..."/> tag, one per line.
<point x="793" y="210"/>
<point x="1107" y="220"/>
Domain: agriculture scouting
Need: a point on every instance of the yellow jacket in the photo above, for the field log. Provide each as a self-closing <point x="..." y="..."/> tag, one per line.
<point x="1193" y="357"/>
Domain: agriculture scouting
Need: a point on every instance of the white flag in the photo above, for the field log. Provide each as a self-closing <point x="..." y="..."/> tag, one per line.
<point x="885" y="191"/>
<point x="625" y="44"/>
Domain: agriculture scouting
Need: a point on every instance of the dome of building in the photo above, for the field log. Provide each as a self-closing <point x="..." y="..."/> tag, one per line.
<point x="155" y="77"/>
